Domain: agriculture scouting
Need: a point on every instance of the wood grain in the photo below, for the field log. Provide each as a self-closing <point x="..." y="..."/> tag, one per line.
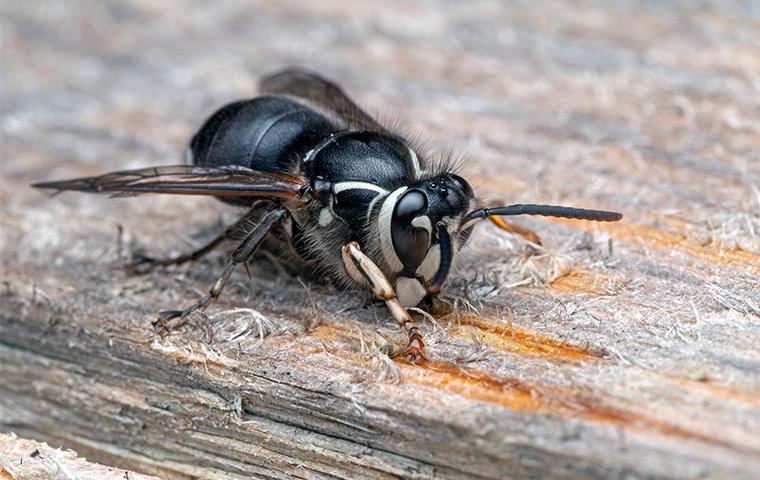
<point x="624" y="350"/>
<point x="22" y="459"/>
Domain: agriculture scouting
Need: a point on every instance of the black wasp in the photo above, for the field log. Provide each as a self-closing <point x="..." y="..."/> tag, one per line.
<point x="327" y="187"/>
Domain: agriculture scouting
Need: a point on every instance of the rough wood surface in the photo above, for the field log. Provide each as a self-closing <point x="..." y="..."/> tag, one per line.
<point x="22" y="459"/>
<point x="616" y="351"/>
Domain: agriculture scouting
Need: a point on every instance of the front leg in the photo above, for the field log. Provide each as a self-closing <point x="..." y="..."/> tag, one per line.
<point x="355" y="262"/>
<point x="242" y="254"/>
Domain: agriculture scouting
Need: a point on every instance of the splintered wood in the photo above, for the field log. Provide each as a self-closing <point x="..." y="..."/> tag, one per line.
<point x="622" y="350"/>
<point x="29" y="460"/>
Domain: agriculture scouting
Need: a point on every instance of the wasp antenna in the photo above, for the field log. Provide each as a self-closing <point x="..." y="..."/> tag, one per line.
<point x="545" y="210"/>
<point x="446" y="259"/>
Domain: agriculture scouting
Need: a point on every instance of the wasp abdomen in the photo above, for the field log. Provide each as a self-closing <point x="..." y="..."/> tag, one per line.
<point x="266" y="133"/>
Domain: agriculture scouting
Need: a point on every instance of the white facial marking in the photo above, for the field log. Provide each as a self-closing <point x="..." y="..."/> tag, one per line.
<point x="384" y="229"/>
<point x="325" y="217"/>
<point x="470" y="207"/>
<point x="469" y="224"/>
<point x="423" y="221"/>
<point x="451" y="223"/>
<point x="429" y="266"/>
<point x="409" y="291"/>
<point x="342" y="186"/>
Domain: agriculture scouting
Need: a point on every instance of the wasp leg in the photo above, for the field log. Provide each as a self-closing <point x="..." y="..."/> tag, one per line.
<point x="355" y="262"/>
<point x="144" y="264"/>
<point x="241" y="254"/>
<point x="507" y="227"/>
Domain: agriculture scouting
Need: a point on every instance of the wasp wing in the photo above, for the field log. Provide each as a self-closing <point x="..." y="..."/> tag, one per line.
<point x="188" y="180"/>
<point x="323" y="93"/>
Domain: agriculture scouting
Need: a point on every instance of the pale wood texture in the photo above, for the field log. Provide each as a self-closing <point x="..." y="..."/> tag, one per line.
<point x="22" y="459"/>
<point x="627" y="350"/>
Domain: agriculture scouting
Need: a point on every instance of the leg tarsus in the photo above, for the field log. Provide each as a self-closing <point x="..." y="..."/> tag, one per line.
<point x="415" y="347"/>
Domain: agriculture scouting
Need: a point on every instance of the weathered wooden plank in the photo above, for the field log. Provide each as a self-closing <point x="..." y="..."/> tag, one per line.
<point x="22" y="459"/>
<point x="620" y="350"/>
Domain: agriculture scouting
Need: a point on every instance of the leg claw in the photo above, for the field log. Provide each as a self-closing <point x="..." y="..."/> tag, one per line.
<point x="161" y="323"/>
<point x="413" y="354"/>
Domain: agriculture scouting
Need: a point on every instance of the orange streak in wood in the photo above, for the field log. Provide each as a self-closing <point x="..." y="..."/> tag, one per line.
<point x="517" y="396"/>
<point x="474" y="385"/>
<point x="520" y="397"/>
<point x="510" y="338"/>
<point x="580" y="281"/>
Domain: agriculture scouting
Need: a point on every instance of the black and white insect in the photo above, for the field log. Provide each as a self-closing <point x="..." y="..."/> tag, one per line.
<point x="330" y="189"/>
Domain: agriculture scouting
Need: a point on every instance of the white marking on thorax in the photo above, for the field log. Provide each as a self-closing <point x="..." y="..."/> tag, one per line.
<point x="409" y="291"/>
<point x="288" y="224"/>
<point x="350" y="185"/>
<point x="384" y="230"/>
<point x="318" y="147"/>
<point x="325" y="217"/>
<point x="189" y="156"/>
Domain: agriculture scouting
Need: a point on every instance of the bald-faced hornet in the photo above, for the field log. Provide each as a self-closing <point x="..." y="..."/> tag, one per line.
<point x="330" y="189"/>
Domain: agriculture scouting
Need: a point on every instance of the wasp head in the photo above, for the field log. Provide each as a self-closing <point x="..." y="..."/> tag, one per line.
<point x="419" y="230"/>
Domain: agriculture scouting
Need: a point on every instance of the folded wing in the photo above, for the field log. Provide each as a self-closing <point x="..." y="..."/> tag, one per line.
<point x="188" y="180"/>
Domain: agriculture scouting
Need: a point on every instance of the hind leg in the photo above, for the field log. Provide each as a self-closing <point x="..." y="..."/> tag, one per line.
<point x="242" y="254"/>
<point x="144" y="263"/>
<point x="236" y="232"/>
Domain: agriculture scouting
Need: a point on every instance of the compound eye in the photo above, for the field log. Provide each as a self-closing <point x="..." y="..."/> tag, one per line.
<point x="410" y="242"/>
